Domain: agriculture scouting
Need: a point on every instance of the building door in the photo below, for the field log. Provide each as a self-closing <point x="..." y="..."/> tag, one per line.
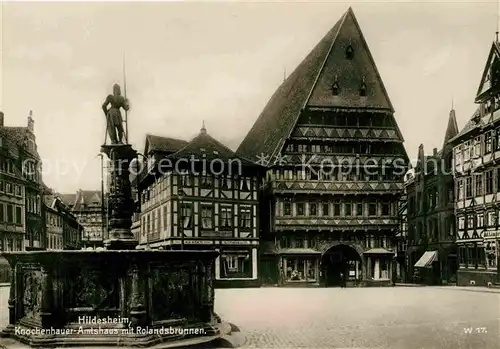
<point x="340" y="263"/>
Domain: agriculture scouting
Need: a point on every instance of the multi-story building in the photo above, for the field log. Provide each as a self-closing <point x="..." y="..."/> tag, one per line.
<point x="12" y="220"/>
<point x="402" y="236"/>
<point x="477" y="182"/>
<point x="21" y="188"/>
<point x="432" y="255"/>
<point x="89" y="209"/>
<point x="203" y="196"/>
<point x="155" y="149"/>
<point x="336" y="169"/>
<point x="63" y="230"/>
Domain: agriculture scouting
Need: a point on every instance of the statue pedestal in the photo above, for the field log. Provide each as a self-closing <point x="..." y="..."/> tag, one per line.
<point x="114" y="298"/>
<point x="120" y="202"/>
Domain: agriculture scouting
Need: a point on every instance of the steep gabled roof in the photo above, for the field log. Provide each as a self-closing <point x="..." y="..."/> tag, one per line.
<point x="85" y="198"/>
<point x="494" y="54"/>
<point x="311" y="83"/>
<point x="162" y="144"/>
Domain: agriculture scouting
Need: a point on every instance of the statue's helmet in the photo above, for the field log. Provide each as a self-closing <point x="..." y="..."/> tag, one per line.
<point x="116" y="89"/>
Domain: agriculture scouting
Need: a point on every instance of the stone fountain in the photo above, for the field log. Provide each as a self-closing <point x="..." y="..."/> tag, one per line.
<point x="119" y="296"/>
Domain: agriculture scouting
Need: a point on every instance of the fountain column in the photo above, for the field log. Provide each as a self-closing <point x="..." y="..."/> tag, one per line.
<point x="120" y="202"/>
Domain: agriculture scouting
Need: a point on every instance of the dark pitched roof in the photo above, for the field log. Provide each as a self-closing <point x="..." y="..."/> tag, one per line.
<point x="85" y="198"/>
<point x="17" y="135"/>
<point x="68" y="199"/>
<point x="310" y="83"/>
<point x="204" y="146"/>
<point x="470" y="125"/>
<point x="162" y="144"/>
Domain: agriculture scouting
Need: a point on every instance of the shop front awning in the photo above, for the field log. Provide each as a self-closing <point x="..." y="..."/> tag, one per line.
<point x="426" y="260"/>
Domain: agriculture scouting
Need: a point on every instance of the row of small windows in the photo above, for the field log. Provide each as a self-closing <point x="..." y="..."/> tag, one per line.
<point x="53" y="220"/>
<point x="11" y="214"/>
<point x="480" y="145"/>
<point x="186" y="180"/>
<point x="478" y="184"/>
<point x="369" y="241"/>
<point x="11" y="244"/>
<point x="478" y="220"/>
<point x="343" y="148"/>
<point x="430" y="201"/>
<point x="337" y="209"/>
<point x="335" y="174"/>
<point x="11" y="189"/>
<point x="55" y="242"/>
<point x="33" y="203"/>
<point x="152" y="221"/>
<point x="7" y="166"/>
<point x="31" y="171"/>
<point x="346" y="119"/>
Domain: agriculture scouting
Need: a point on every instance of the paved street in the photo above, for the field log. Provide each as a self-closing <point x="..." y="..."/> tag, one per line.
<point x="401" y="317"/>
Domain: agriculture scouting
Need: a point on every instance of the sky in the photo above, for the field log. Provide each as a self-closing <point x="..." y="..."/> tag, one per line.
<point x="219" y="62"/>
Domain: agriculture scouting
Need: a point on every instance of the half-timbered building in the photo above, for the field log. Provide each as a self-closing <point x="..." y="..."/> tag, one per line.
<point x="432" y="255"/>
<point x="203" y="196"/>
<point x="477" y="181"/>
<point x="336" y="165"/>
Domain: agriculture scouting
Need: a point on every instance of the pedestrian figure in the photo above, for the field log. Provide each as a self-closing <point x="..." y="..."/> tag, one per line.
<point x="342" y="285"/>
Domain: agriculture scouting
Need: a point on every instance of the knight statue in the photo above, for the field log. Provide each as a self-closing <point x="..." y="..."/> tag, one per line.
<point x="113" y="114"/>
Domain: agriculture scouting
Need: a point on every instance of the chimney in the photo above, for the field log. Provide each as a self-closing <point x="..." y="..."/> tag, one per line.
<point x="31" y="122"/>
<point x="1" y="119"/>
<point x="435" y="151"/>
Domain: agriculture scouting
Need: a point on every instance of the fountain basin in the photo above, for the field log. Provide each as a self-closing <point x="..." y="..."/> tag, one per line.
<point x="127" y="298"/>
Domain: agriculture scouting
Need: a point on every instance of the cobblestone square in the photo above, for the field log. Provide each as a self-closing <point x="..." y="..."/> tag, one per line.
<point x="400" y="317"/>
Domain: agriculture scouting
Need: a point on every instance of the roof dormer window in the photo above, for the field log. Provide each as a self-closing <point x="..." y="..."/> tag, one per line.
<point x="362" y="90"/>
<point x="349" y="53"/>
<point x="335" y="88"/>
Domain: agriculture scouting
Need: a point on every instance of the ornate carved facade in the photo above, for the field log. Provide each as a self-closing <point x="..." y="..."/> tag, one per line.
<point x="200" y="195"/>
<point x="336" y="165"/>
<point x="477" y="182"/>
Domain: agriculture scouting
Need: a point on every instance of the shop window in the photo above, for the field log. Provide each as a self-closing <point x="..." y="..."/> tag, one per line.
<point x="491" y="254"/>
<point x="300" y="269"/>
<point x="235" y="264"/>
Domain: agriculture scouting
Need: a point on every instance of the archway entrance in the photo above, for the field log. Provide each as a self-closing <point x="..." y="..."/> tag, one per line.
<point x="340" y="261"/>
